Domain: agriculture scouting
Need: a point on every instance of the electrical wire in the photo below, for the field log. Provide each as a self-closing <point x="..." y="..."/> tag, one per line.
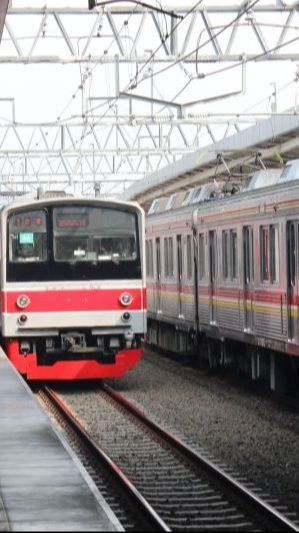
<point x="251" y="59"/>
<point x="183" y="58"/>
<point x="133" y="81"/>
<point x="142" y="4"/>
<point x="110" y="102"/>
<point x="191" y="10"/>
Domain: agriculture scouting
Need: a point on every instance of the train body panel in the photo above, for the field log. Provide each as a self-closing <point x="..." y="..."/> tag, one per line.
<point x="239" y="272"/>
<point x="73" y="288"/>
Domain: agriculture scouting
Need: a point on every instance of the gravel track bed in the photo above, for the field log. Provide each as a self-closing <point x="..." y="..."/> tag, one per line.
<point x="190" y="503"/>
<point x="252" y="434"/>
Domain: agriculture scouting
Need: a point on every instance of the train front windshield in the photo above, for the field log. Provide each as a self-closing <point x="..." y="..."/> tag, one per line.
<point x="95" y="235"/>
<point x="73" y="243"/>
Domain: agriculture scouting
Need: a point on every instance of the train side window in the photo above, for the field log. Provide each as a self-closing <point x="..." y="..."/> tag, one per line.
<point x="274" y="254"/>
<point x="189" y="257"/>
<point x="170" y="261"/>
<point x="234" y="254"/>
<point x="151" y="258"/>
<point x="158" y="259"/>
<point x="147" y="256"/>
<point x="225" y="254"/>
<point x="166" y="258"/>
<point x="248" y="254"/>
<point x="269" y="246"/>
<point x="201" y="256"/>
<point x="264" y="248"/>
<point x="291" y="243"/>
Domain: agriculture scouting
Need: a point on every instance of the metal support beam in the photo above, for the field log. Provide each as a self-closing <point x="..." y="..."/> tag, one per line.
<point x="3" y="11"/>
<point x="181" y="40"/>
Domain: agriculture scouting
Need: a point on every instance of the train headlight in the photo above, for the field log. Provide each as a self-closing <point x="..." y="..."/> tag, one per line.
<point x="126" y="298"/>
<point x="126" y="317"/>
<point x="23" y="301"/>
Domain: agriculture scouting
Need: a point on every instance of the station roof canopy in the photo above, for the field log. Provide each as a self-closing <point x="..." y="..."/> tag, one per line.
<point x="268" y="144"/>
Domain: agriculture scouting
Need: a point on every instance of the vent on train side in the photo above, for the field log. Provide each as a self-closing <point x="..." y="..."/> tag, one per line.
<point x="171" y="202"/>
<point x="204" y="193"/>
<point x="290" y="171"/>
<point x="157" y="205"/>
<point x="187" y="197"/>
<point x="263" y="178"/>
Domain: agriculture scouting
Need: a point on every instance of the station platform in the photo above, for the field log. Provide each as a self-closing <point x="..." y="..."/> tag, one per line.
<point x="43" y="486"/>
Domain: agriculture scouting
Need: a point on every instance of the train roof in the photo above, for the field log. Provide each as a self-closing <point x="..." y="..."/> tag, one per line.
<point x="58" y="197"/>
<point x="261" y="181"/>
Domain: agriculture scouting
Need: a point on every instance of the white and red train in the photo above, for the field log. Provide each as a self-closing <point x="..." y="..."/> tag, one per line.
<point x="73" y="293"/>
<point x="223" y="275"/>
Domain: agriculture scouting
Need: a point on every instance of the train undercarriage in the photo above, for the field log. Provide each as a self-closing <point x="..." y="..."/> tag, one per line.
<point x="277" y="370"/>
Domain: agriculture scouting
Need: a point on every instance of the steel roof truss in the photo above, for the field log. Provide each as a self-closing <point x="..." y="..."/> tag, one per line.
<point x="211" y="33"/>
<point x="115" y="33"/>
<point x="164" y="43"/>
<point x="64" y="34"/>
<point x="39" y="33"/>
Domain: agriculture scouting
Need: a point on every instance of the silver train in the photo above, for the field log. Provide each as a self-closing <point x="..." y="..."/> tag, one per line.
<point x="223" y="275"/>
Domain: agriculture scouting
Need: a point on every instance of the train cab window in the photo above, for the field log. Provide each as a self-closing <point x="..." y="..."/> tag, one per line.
<point x="269" y="251"/>
<point x="73" y="241"/>
<point x="28" y="237"/>
<point x="201" y="256"/>
<point x="95" y="235"/>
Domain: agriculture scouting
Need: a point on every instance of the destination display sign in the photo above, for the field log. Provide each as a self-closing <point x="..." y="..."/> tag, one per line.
<point x="72" y="220"/>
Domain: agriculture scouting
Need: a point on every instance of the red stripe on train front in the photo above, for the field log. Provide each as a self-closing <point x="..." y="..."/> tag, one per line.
<point x="73" y="300"/>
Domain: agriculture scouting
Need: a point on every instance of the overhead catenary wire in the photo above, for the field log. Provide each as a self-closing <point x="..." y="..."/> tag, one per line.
<point x="111" y="101"/>
<point x="152" y="55"/>
<point x="134" y="81"/>
<point x="247" y="8"/>
<point x="93" y="3"/>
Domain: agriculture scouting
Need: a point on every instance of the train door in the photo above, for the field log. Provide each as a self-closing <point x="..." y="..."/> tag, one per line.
<point x="248" y="269"/>
<point x="212" y="273"/>
<point x="179" y="271"/>
<point x="158" y="275"/>
<point x="292" y="278"/>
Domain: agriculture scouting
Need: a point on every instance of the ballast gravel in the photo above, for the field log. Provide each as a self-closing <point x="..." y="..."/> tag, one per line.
<point x="251" y="433"/>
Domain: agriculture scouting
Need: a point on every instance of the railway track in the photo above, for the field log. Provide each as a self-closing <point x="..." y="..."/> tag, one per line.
<point x="172" y="487"/>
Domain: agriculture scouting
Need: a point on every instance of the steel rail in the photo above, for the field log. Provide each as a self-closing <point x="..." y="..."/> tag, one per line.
<point x="156" y="522"/>
<point x="260" y="505"/>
